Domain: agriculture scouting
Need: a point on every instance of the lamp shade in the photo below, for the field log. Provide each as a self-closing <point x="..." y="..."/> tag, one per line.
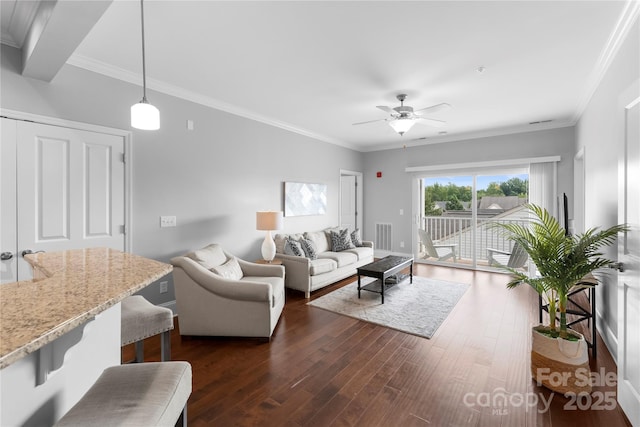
<point x="269" y="220"/>
<point x="145" y="116"/>
<point x="402" y="125"/>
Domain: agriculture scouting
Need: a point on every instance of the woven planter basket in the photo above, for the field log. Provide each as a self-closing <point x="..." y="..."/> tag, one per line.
<point x="560" y="365"/>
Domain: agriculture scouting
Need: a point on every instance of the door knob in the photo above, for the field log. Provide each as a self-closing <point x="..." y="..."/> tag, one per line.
<point x="5" y="256"/>
<point x="617" y="266"/>
<point x="29" y="252"/>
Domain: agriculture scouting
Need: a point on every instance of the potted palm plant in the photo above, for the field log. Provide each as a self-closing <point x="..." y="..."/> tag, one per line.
<point x="559" y="355"/>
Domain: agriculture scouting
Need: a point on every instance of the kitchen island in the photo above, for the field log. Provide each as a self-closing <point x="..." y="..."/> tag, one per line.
<point x="61" y="329"/>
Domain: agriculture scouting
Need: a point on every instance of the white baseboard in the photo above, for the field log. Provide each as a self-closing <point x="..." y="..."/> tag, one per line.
<point x="609" y="338"/>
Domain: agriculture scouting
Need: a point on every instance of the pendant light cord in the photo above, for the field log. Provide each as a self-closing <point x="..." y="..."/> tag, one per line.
<point x="144" y="70"/>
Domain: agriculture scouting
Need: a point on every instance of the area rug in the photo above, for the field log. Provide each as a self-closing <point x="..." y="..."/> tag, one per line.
<point x="418" y="308"/>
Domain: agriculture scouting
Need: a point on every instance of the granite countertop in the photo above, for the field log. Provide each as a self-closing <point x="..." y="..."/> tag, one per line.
<point x="69" y="288"/>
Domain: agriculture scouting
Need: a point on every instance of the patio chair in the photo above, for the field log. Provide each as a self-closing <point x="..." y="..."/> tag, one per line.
<point x="441" y="252"/>
<point x="517" y="258"/>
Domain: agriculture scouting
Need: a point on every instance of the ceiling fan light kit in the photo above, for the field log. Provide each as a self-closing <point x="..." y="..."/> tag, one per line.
<point x="404" y="117"/>
<point x="402" y="124"/>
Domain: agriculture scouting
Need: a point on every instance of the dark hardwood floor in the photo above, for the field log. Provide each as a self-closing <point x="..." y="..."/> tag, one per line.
<point x="324" y="369"/>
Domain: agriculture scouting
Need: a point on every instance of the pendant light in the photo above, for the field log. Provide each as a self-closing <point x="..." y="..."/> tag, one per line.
<point x="144" y="115"/>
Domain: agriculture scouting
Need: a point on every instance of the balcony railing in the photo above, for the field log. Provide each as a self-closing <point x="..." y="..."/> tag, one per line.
<point x="459" y="231"/>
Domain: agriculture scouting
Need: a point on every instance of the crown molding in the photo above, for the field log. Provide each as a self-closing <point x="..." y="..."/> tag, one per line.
<point x="472" y="135"/>
<point x="178" y="92"/>
<point x="618" y="35"/>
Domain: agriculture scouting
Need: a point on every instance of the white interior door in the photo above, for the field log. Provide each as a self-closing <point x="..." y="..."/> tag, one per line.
<point x="629" y="280"/>
<point x="348" y="202"/>
<point x="8" y="231"/>
<point x="70" y="190"/>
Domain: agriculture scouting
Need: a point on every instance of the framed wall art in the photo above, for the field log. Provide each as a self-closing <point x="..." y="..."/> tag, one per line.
<point x="301" y="198"/>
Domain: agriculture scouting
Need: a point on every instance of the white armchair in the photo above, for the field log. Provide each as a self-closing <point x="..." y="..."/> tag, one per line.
<point x="218" y="294"/>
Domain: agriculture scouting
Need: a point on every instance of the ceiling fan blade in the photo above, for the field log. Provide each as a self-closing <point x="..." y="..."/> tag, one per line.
<point x="430" y="122"/>
<point x="387" y="109"/>
<point x="369" y="121"/>
<point x="435" y="108"/>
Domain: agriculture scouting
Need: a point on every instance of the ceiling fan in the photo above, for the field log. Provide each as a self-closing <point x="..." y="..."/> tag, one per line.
<point x="404" y="117"/>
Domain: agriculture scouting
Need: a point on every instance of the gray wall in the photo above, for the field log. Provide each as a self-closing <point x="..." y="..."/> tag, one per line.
<point x="385" y="196"/>
<point x="213" y="179"/>
<point x="599" y="132"/>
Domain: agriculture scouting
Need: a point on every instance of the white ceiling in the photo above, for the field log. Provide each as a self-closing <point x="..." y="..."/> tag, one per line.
<point x="317" y="67"/>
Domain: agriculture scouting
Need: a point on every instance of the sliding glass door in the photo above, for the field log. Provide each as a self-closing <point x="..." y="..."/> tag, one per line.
<point x="457" y="213"/>
<point x="447" y="218"/>
<point x="501" y="199"/>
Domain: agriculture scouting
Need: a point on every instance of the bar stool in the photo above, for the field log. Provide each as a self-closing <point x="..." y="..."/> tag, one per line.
<point x="140" y="320"/>
<point x="144" y="394"/>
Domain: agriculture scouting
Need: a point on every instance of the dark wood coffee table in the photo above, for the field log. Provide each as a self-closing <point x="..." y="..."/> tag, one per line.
<point x="382" y="270"/>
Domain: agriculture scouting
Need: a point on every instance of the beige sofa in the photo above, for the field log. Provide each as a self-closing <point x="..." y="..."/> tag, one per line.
<point x="211" y="299"/>
<point x="307" y="275"/>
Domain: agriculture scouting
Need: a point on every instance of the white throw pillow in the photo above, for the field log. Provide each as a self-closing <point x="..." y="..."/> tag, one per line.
<point x="209" y="256"/>
<point x="229" y="270"/>
<point x="320" y="239"/>
<point x="280" y="240"/>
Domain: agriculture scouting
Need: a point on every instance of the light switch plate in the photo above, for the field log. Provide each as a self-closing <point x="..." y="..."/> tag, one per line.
<point x="167" y="221"/>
